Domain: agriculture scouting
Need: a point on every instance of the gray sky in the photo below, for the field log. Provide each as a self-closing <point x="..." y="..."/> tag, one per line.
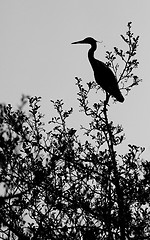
<point x="37" y="58"/>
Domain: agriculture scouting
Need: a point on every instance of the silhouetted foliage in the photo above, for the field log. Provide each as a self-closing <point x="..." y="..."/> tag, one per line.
<point x="57" y="186"/>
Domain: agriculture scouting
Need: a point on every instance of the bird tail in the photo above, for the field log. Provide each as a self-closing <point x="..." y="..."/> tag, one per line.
<point x="119" y="96"/>
<point x="115" y="92"/>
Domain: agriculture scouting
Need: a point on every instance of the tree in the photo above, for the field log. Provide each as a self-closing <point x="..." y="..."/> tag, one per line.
<point x="59" y="187"/>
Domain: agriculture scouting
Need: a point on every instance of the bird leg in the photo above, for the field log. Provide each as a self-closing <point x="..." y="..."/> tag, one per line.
<point x="107" y="99"/>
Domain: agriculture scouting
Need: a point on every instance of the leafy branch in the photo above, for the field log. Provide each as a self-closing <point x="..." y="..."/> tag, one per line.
<point x="126" y="77"/>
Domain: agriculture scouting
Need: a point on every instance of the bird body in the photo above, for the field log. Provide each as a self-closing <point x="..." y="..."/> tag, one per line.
<point x="102" y="73"/>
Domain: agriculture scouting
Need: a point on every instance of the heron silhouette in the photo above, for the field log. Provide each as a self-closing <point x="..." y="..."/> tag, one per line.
<point x="102" y="73"/>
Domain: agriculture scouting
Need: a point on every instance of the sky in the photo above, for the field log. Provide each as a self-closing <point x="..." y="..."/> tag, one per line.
<point x="37" y="58"/>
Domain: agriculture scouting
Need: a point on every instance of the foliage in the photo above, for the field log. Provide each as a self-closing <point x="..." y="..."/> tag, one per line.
<point x="57" y="187"/>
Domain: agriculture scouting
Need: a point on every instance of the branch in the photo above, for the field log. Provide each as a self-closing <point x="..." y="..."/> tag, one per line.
<point x="119" y="191"/>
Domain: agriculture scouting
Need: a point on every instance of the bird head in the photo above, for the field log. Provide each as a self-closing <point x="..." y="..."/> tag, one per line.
<point x="88" y="40"/>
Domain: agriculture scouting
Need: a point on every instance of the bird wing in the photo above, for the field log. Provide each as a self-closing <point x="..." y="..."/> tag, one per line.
<point x="106" y="79"/>
<point x="104" y="75"/>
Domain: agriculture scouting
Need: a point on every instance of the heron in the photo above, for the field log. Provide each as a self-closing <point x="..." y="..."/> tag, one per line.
<point x="104" y="76"/>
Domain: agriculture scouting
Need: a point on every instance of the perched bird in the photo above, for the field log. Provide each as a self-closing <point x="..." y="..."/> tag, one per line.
<point x="102" y="73"/>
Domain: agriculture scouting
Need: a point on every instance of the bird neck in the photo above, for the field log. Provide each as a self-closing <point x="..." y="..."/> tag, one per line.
<point x="91" y="52"/>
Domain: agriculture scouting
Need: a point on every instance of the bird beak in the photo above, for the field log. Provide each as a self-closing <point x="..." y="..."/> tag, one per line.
<point x="78" y="42"/>
<point x="83" y="41"/>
